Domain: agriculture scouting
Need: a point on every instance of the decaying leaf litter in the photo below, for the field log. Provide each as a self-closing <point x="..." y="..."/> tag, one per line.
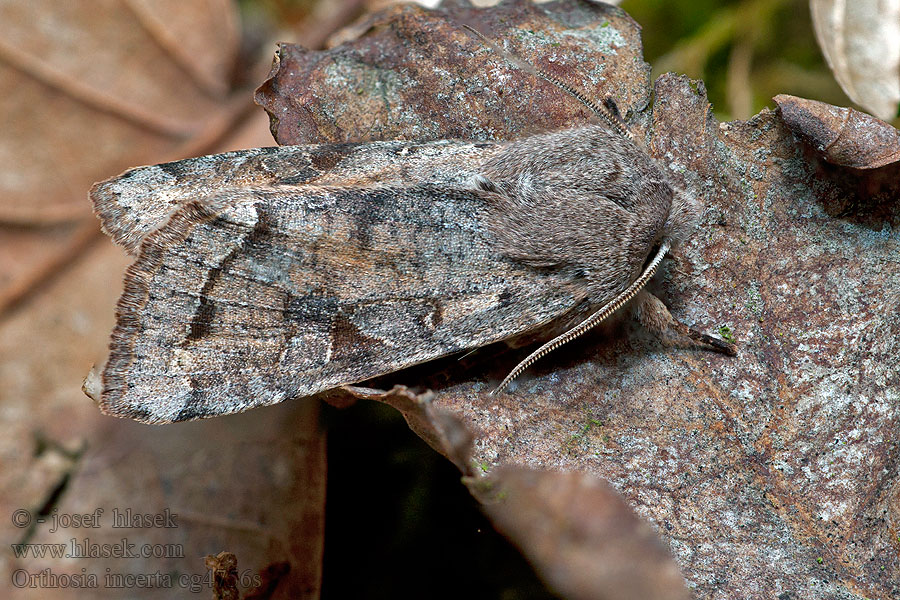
<point x="804" y="438"/>
<point x="76" y="85"/>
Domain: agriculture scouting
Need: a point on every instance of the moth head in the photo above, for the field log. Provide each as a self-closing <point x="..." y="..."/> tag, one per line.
<point x="684" y="215"/>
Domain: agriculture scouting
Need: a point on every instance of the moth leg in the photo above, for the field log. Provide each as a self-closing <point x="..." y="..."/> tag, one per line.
<point x="653" y="314"/>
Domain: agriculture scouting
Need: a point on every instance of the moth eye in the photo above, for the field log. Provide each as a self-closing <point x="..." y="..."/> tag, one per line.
<point x="653" y="252"/>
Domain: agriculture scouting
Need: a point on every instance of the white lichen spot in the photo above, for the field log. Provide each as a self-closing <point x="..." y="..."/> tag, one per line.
<point x="783" y="467"/>
<point x="831" y="510"/>
<point x="606" y="38"/>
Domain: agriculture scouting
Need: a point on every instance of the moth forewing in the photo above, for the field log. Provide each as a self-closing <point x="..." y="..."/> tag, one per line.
<point x="143" y="199"/>
<point x="254" y="294"/>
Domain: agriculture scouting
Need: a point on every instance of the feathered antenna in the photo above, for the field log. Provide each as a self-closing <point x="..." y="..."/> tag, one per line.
<point x="608" y="111"/>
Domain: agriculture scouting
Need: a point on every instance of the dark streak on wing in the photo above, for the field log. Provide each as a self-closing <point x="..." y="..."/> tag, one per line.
<point x="116" y="380"/>
<point x="194" y="409"/>
<point x="329" y="156"/>
<point x="302" y="176"/>
<point x="206" y="309"/>
<point x="141" y="200"/>
<point x="348" y="341"/>
<point x="205" y="313"/>
<point x="175" y="169"/>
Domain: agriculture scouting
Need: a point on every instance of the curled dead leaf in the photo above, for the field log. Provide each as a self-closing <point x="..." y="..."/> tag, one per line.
<point x="440" y="429"/>
<point x="842" y="136"/>
<point x="395" y="81"/>
<point x="580" y="535"/>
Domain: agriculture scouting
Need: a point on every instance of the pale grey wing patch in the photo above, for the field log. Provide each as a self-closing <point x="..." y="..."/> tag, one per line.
<point x="293" y="293"/>
<point x="141" y="200"/>
<point x="309" y="349"/>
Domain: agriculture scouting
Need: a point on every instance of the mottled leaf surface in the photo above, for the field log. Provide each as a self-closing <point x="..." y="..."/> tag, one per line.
<point x="773" y="473"/>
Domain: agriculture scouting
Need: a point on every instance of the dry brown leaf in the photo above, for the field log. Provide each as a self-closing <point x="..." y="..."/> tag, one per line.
<point x="842" y="136"/>
<point x="80" y="106"/>
<point x="861" y="42"/>
<point x="88" y="90"/>
<point x="29" y="256"/>
<point x="254" y="486"/>
<point x="773" y="472"/>
<point x="580" y="535"/>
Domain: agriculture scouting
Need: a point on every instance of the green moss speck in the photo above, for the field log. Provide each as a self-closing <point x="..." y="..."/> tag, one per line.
<point x="725" y="332"/>
<point x="581" y="435"/>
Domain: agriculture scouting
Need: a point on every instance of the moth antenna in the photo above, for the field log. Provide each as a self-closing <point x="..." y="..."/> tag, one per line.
<point x="468" y="354"/>
<point x="609" y="110"/>
<point x="607" y="309"/>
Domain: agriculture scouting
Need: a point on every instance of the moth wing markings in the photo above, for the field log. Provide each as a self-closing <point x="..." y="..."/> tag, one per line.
<point x="367" y="282"/>
<point x="143" y="199"/>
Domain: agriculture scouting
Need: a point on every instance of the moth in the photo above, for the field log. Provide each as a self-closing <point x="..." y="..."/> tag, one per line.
<point x="267" y="274"/>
